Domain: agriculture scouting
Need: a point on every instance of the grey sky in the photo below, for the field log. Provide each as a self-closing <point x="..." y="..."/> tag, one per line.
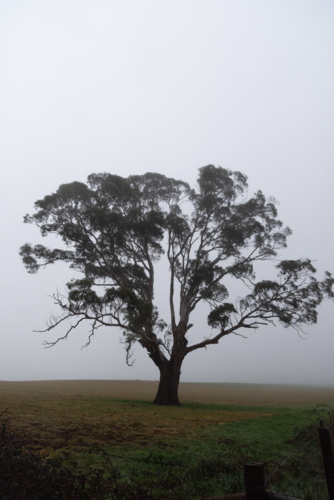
<point x="136" y="86"/>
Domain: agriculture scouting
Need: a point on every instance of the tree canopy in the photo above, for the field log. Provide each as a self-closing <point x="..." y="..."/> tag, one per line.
<point x="115" y="229"/>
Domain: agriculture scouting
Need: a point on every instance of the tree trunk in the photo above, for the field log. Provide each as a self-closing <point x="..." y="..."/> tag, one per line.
<point x="170" y="372"/>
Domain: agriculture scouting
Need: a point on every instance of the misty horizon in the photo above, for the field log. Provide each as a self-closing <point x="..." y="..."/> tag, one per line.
<point x="131" y="88"/>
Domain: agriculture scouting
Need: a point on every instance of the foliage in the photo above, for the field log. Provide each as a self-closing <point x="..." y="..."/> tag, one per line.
<point x="114" y="230"/>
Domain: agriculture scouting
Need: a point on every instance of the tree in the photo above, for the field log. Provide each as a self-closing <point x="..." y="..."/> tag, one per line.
<point x="114" y="231"/>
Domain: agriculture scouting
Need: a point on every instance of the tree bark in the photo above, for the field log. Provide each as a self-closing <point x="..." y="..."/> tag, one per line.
<point x="170" y="372"/>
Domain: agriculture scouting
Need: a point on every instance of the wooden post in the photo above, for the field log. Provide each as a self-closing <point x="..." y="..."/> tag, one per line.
<point x="254" y="481"/>
<point x="328" y="456"/>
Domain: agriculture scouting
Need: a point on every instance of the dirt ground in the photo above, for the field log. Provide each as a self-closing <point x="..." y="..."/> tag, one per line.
<point x="239" y="394"/>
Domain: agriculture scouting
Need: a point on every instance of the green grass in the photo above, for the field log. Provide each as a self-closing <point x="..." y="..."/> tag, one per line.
<point x="208" y="459"/>
<point x="187" y="451"/>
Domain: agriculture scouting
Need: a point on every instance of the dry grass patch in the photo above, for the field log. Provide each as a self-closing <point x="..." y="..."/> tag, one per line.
<point x="237" y="394"/>
<point x="57" y="415"/>
<point x="50" y="424"/>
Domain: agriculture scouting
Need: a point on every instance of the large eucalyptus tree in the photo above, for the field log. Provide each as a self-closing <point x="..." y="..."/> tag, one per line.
<point x="116" y="229"/>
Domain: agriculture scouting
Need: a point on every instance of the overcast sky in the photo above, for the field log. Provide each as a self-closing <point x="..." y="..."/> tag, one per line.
<point x="165" y="86"/>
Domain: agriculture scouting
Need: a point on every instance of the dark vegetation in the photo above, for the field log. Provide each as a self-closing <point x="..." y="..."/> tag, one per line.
<point x="114" y="231"/>
<point x="203" y="457"/>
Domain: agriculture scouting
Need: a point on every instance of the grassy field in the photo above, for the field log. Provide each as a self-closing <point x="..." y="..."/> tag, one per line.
<point x="217" y="425"/>
<point x="242" y="394"/>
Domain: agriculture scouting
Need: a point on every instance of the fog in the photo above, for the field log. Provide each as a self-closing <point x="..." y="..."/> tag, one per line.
<point x="130" y="87"/>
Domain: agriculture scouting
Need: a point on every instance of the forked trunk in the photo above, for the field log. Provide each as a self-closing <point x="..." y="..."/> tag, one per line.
<point x="170" y="373"/>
